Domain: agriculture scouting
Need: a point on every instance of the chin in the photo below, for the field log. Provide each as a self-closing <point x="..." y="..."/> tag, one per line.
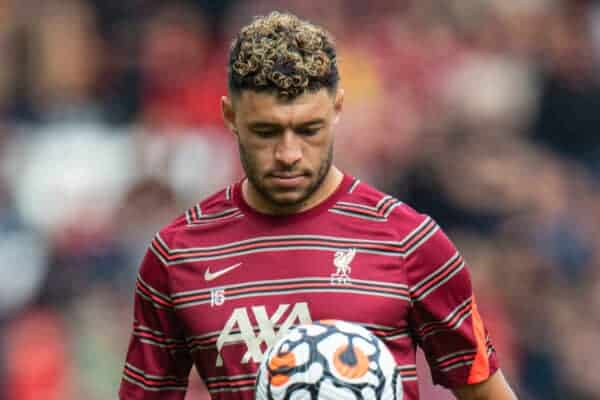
<point x="287" y="199"/>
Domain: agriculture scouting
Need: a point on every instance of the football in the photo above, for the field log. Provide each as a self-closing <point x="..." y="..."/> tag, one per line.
<point x="328" y="360"/>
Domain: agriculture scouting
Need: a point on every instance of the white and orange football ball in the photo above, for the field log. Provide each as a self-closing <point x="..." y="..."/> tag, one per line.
<point x="328" y="360"/>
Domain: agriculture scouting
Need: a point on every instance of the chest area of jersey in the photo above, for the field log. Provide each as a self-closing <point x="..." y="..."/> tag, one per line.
<point x="234" y="308"/>
<point x="324" y="276"/>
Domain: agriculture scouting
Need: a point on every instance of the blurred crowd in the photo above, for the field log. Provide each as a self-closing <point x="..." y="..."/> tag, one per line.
<point x="483" y="113"/>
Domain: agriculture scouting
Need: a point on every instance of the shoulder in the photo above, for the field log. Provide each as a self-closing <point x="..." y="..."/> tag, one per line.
<point x="364" y="201"/>
<point x="211" y="212"/>
<point x="411" y="229"/>
<point x="429" y="256"/>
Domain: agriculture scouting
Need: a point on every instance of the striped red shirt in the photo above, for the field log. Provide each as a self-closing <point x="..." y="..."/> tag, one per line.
<point x="223" y="282"/>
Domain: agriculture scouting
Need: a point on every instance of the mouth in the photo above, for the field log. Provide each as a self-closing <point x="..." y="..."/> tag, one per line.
<point x="287" y="180"/>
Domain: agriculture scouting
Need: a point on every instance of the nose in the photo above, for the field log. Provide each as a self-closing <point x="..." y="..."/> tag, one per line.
<point x="288" y="150"/>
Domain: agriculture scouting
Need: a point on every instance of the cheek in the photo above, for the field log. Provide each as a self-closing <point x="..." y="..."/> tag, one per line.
<point x="261" y="154"/>
<point x="318" y="148"/>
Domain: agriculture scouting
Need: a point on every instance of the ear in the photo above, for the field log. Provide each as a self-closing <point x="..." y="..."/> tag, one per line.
<point x="228" y="112"/>
<point x="338" y="105"/>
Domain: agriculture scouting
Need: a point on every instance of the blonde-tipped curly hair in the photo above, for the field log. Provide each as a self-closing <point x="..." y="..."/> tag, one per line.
<point x="283" y="54"/>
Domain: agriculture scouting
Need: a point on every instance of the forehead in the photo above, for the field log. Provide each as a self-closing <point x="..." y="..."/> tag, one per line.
<point x="265" y="107"/>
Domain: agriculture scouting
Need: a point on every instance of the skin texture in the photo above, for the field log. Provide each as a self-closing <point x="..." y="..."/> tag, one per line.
<point x="286" y="148"/>
<point x="494" y="388"/>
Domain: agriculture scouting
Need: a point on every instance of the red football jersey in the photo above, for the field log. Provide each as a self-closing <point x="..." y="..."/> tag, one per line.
<point x="223" y="282"/>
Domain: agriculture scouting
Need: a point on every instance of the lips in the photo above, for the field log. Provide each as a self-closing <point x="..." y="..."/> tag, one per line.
<point x="287" y="176"/>
<point x="286" y="180"/>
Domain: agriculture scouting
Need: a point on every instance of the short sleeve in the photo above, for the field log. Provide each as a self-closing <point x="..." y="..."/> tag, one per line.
<point x="158" y="362"/>
<point x="444" y="315"/>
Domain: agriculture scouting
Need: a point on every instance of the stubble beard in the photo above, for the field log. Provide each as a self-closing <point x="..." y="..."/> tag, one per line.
<point x="256" y="179"/>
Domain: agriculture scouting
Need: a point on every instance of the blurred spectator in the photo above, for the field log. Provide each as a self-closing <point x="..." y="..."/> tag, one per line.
<point x="38" y="365"/>
<point x="26" y="258"/>
<point x="568" y="120"/>
<point x="195" y="162"/>
<point x="182" y="71"/>
<point x="148" y="205"/>
<point x="64" y="61"/>
<point x="71" y="174"/>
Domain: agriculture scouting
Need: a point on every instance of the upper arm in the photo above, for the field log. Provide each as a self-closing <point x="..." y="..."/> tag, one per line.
<point x="444" y="315"/>
<point x="158" y="361"/>
<point x="494" y="388"/>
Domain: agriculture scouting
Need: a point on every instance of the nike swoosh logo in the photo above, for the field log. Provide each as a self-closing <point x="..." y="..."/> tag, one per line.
<point x="209" y="276"/>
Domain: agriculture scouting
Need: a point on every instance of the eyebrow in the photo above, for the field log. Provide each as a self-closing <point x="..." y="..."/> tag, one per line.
<point x="268" y="125"/>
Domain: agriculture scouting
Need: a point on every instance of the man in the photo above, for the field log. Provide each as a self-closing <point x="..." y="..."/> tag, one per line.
<point x="297" y="240"/>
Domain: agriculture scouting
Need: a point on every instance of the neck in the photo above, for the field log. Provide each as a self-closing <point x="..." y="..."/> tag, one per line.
<point x="329" y="185"/>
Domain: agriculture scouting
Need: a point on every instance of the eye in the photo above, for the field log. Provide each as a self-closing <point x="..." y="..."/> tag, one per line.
<point x="309" y="131"/>
<point x="265" y="134"/>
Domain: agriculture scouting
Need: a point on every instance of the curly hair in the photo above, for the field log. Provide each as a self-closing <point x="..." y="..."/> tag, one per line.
<point x="283" y="54"/>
